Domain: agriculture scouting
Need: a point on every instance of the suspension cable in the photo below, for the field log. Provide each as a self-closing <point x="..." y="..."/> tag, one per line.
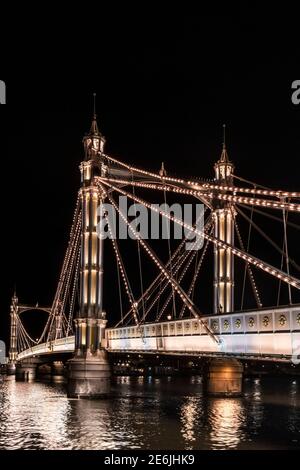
<point x="270" y="216"/>
<point x="139" y="257"/>
<point x="245" y="267"/>
<point x="249" y="270"/>
<point x="169" y="244"/>
<point x="268" y="268"/>
<point x="181" y="181"/>
<point x="74" y="289"/>
<point x="156" y="282"/>
<point x="286" y="252"/>
<point x="197" y="270"/>
<point x="120" y="292"/>
<point x="177" y="266"/>
<point x="281" y="267"/>
<point x="264" y="235"/>
<point x="192" y="307"/>
<point x="184" y="271"/>
<point x="123" y="273"/>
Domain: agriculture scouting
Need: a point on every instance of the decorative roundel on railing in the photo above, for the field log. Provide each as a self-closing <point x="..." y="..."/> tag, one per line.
<point x="195" y="325"/>
<point x="172" y="327"/>
<point x="187" y="326"/>
<point x="238" y="323"/>
<point x="153" y="329"/>
<point x="179" y="326"/>
<point x="266" y="320"/>
<point x="282" y="320"/>
<point x="226" y="324"/>
<point x="298" y="319"/>
<point x="251" y="322"/>
<point x="214" y="325"/>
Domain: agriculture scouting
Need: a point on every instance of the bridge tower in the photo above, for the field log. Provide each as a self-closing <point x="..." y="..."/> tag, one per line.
<point x="13" y="352"/>
<point x="89" y="370"/>
<point x="224" y="216"/>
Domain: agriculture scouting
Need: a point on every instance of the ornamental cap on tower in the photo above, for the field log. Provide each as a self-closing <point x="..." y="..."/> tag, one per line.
<point x="224" y="167"/>
<point x="94" y="141"/>
<point x="224" y="155"/>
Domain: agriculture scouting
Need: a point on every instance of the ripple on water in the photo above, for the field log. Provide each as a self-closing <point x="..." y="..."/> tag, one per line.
<point x="165" y="413"/>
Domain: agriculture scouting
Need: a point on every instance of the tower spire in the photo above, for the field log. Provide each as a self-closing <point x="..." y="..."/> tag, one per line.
<point x="15" y="292"/>
<point x="95" y="114"/>
<point x="94" y="141"/>
<point x="94" y="127"/>
<point x="224" y="156"/>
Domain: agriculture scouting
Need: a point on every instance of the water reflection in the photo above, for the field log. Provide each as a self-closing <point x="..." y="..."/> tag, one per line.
<point x="151" y="413"/>
<point x="190" y="413"/>
<point x="293" y="421"/>
<point x="226" y="417"/>
<point x="255" y="406"/>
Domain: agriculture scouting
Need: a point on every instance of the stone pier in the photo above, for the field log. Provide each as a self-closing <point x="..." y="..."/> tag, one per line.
<point x="223" y="377"/>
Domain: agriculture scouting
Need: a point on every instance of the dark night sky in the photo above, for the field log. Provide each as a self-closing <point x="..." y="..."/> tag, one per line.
<point x="164" y="88"/>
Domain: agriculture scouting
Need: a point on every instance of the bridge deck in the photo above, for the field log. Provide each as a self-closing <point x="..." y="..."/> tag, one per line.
<point x="268" y="333"/>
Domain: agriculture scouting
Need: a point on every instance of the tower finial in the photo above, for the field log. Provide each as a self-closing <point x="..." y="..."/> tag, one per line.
<point x="224" y="136"/>
<point x="162" y="171"/>
<point x="94" y="103"/>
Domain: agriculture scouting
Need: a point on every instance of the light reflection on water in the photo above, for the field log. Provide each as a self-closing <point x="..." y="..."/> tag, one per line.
<point x="151" y="413"/>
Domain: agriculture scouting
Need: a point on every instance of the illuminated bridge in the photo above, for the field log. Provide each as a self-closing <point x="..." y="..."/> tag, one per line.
<point x="261" y="334"/>
<point x="165" y="318"/>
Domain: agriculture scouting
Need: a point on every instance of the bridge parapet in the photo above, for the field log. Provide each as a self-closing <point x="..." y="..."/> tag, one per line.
<point x="62" y="345"/>
<point x="266" y="332"/>
<point x="274" y="331"/>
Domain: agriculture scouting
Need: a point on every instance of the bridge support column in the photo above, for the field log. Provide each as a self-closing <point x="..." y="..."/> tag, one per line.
<point x="223" y="377"/>
<point x="57" y="371"/>
<point x="224" y="216"/>
<point x="26" y="370"/>
<point x="89" y="377"/>
<point x="89" y="370"/>
<point x="11" y="366"/>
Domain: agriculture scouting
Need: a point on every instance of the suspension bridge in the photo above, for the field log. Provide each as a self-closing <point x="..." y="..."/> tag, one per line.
<point x="165" y="317"/>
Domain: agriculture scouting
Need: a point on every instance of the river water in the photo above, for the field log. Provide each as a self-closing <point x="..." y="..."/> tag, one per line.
<point x="151" y="413"/>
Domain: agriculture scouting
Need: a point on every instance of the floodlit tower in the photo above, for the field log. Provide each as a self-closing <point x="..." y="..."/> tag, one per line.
<point x="89" y="371"/>
<point x="224" y="216"/>
<point x="13" y="351"/>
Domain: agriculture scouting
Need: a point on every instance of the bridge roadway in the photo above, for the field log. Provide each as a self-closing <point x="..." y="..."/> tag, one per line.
<point x="272" y="333"/>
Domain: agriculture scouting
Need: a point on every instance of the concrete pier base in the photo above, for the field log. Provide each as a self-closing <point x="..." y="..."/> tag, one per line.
<point x="26" y="370"/>
<point x="89" y="376"/>
<point x="57" y="371"/>
<point x="11" y="368"/>
<point x="223" y="377"/>
<point x="44" y="372"/>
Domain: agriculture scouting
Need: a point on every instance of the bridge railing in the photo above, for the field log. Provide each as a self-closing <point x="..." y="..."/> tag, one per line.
<point x="59" y="345"/>
<point x="258" y="321"/>
<point x="273" y="331"/>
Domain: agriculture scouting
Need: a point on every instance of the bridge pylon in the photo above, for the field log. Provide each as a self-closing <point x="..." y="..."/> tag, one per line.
<point x="13" y="351"/>
<point x="224" y="216"/>
<point x="89" y="369"/>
